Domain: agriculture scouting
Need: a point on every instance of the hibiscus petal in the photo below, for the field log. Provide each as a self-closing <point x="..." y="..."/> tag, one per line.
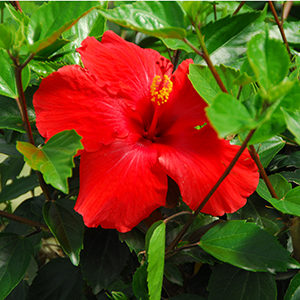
<point x="196" y="163"/>
<point x="72" y="99"/>
<point x="196" y="158"/>
<point x="125" y="68"/>
<point x="120" y="185"/>
<point x="185" y="108"/>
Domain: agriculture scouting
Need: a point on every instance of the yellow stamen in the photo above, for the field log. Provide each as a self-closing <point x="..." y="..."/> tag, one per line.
<point x="160" y="89"/>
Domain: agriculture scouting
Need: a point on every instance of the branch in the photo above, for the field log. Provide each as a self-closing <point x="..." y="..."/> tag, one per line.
<point x="210" y="65"/>
<point x="23" y="220"/>
<point x="239" y="7"/>
<point x="279" y="24"/>
<point x="262" y="171"/>
<point x="211" y="192"/>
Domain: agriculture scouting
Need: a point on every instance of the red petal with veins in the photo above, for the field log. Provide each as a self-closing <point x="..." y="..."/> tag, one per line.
<point x="125" y="68"/>
<point x="72" y="99"/>
<point x="195" y="159"/>
<point x="120" y="185"/>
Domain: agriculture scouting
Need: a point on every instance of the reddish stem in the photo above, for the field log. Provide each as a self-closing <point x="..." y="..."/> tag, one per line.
<point x="23" y="220"/>
<point x="239" y="7"/>
<point x="211" y="192"/>
<point x="262" y="171"/>
<point x="279" y="24"/>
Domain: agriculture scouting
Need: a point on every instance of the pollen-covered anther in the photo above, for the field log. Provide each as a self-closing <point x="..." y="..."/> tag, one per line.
<point x="160" y="89"/>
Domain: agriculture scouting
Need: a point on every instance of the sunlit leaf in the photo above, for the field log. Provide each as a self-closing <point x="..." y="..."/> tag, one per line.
<point x="55" y="159"/>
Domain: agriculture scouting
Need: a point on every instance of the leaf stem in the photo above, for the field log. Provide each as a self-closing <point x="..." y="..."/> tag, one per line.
<point x="23" y="220"/>
<point x="21" y="101"/>
<point x="262" y="171"/>
<point x="279" y="24"/>
<point x="239" y="7"/>
<point x="211" y="192"/>
<point x="215" y="11"/>
<point x="185" y="212"/>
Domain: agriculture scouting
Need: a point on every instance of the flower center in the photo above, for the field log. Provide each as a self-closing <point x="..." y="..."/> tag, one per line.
<point x="160" y="90"/>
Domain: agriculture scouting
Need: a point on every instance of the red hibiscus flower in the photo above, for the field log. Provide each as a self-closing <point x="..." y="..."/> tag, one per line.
<point x="137" y="121"/>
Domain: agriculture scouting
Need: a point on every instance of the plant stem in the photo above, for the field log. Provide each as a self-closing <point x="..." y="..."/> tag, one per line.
<point x="23" y="220"/>
<point x="279" y="24"/>
<point x="239" y="7"/>
<point x="286" y="8"/>
<point x="215" y="11"/>
<point x="166" y="220"/>
<point x="21" y="101"/>
<point x="211" y="192"/>
<point x="207" y="59"/>
<point x="262" y="171"/>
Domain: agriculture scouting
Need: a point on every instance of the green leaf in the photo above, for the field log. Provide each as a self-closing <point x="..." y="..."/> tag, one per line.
<point x="58" y="279"/>
<point x="103" y="258"/>
<point x="45" y="68"/>
<point x="47" y="23"/>
<point x="55" y="159"/>
<point x="292" y="120"/>
<point x="292" y="176"/>
<point x="278" y="182"/>
<point x="256" y="211"/>
<point x="207" y="87"/>
<point x="293" y="291"/>
<point x="7" y="148"/>
<point x="246" y="246"/>
<point x="118" y="296"/>
<point x="139" y="283"/>
<point x="238" y="284"/>
<point x="19" y="292"/>
<point x="93" y="24"/>
<point x="156" y="18"/>
<point x="156" y="259"/>
<point x="285" y="160"/>
<point x="173" y="274"/>
<point x="15" y="255"/>
<point x="7" y="76"/>
<point x="275" y="123"/>
<point x="10" y="117"/>
<point x="268" y="59"/>
<point x="268" y="149"/>
<point x="67" y="227"/>
<point x="289" y="204"/>
<point x="228" y="123"/>
<point x="6" y="36"/>
<point x="18" y="187"/>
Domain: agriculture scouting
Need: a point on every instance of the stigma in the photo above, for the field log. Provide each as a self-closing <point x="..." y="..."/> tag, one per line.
<point x="160" y="89"/>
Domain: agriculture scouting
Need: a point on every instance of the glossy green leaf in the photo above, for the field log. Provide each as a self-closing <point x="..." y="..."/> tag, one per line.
<point x="246" y="246"/>
<point x="103" y="258"/>
<point x="285" y="160"/>
<point x="139" y="283"/>
<point x="19" y="292"/>
<point x="6" y="36"/>
<point x="292" y="119"/>
<point x="48" y="22"/>
<point x="67" y="227"/>
<point x="293" y="291"/>
<point x="228" y="123"/>
<point x="8" y="148"/>
<point x="291" y="30"/>
<point x="268" y="149"/>
<point x="173" y="274"/>
<point x="156" y="259"/>
<point x="207" y="87"/>
<point x="10" y="168"/>
<point x="45" y="68"/>
<point x="58" y="279"/>
<point x="93" y="24"/>
<point x="278" y="182"/>
<point x="290" y="203"/>
<point x="55" y="159"/>
<point x="51" y="49"/>
<point x="268" y="59"/>
<point x="118" y="296"/>
<point x="293" y="176"/>
<point x="18" y="187"/>
<point x="10" y="117"/>
<point x="238" y="284"/>
<point x="15" y="255"/>
<point x="275" y="123"/>
<point x="156" y="18"/>
<point x="7" y="76"/>
<point x="197" y="10"/>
